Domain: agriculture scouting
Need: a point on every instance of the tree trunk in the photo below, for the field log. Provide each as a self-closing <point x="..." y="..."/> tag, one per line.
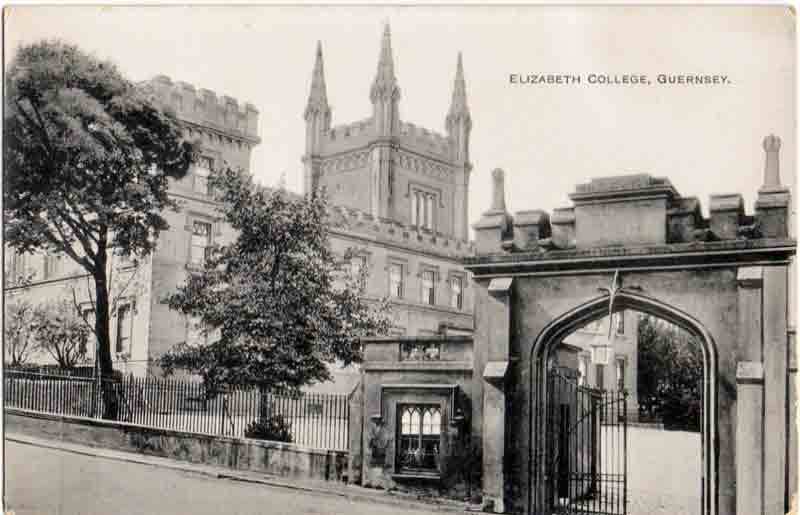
<point x="102" y="328"/>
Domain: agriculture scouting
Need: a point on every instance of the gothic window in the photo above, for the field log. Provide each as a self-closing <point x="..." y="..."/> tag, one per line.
<point x="396" y="280"/>
<point x="201" y="241"/>
<point x="456" y="292"/>
<point x="124" y="328"/>
<point x="428" y="287"/>
<point x="201" y="172"/>
<point x="422" y="209"/>
<point x="420" y="437"/>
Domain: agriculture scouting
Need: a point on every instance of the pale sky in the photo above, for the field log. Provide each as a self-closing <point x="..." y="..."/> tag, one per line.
<point x="706" y="139"/>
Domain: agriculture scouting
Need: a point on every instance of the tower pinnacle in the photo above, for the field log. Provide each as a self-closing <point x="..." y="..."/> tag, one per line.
<point x="385" y="85"/>
<point x="458" y="106"/>
<point x="318" y="97"/>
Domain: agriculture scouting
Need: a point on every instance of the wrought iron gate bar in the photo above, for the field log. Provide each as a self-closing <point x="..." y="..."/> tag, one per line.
<point x="581" y="465"/>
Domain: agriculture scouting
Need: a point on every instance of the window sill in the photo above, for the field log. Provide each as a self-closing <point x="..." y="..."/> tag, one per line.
<point x="434" y="476"/>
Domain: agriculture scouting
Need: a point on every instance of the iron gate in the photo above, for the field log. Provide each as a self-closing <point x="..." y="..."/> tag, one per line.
<point x="582" y="449"/>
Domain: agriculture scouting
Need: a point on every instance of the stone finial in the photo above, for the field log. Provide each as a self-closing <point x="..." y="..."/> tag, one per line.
<point x="385" y="84"/>
<point x="458" y="105"/>
<point x="772" y="206"/>
<point x="772" y="176"/>
<point x="318" y="96"/>
<point x="498" y="191"/>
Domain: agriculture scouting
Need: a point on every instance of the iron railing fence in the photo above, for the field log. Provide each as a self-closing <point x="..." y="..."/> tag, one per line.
<point x="314" y="419"/>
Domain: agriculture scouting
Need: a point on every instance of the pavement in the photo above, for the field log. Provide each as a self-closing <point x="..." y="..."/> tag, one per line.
<point x="33" y="486"/>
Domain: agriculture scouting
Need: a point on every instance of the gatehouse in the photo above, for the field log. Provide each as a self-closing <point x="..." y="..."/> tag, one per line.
<point x="510" y="394"/>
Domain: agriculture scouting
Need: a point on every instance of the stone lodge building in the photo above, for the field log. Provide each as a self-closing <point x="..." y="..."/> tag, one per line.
<point x="398" y="193"/>
<point x="434" y="413"/>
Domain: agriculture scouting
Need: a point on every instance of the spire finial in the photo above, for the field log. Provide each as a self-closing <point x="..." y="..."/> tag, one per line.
<point x="318" y="97"/>
<point x="385" y="80"/>
<point x="458" y="105"/>
<point x="498" y="191"/>
<point x="772" y="176"/>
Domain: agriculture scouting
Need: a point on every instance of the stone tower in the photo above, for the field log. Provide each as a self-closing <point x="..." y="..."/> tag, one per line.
<point x="391" y="169"/>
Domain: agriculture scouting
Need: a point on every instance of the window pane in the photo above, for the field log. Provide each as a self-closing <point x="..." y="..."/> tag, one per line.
<point x="428" y="295"/>
<point x="436" y="422"/>
<point x="414" y="207"/>
<point x="455" y="293"/>
<point x="123" y="328"/>
<point x="429" y="211"/>
<point x="415" y="421"/>
<point x="91" y="342"/>
<point x="406" y="422"/>
<point x="396" y="280"/>
<point x="201" y="172"/>
<point x="201" y="239"/>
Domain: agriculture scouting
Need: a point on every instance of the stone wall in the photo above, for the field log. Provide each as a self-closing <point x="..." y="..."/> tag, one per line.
<point x="282" y="459"/>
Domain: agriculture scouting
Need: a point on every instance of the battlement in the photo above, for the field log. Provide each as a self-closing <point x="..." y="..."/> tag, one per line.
<point x="637" y="210"/>
<point x="344" y="131"/>
<point x="626" y="220"/>
<point x="350" y="220"/>
<point x="424" y="139"/>
<point x="204" y="107"/>
<point x="381" y="230"/>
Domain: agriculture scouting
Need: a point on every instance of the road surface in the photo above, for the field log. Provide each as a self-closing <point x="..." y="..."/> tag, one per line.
<point x="52" y="482"/>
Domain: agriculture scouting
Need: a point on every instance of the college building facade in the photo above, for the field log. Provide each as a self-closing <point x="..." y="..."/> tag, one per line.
<point x="398" y="198"/>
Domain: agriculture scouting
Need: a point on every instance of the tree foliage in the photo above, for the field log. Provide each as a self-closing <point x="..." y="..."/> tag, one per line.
<point x="87" y="164"/>
<point x="670" y="374"/>
<point x="63" y="333"/>
<point x="21" y="318"/>
<point x="279" y="301"/>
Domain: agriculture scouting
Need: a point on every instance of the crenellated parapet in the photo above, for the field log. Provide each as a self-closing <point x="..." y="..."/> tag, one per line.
<point x="204" y="108"/>
<point x="361" y="224"/>
<point x="364" y="225"/>
<point x="424" y="140"/>
<point x="410" y="136"/>
<point x="636" y="210"/>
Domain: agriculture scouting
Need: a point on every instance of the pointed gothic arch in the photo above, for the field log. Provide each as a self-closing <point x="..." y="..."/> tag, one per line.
<point x="566" y="323"/>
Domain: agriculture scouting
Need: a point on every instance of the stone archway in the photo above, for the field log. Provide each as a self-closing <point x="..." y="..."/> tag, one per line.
<point x="723" y="278"/>
<point x="594" y="309"/>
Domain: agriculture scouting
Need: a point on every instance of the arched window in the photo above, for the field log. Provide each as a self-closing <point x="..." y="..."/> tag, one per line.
<point x="419" y="440"/>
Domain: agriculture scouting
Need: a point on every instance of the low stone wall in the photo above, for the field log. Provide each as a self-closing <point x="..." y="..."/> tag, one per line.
<point x="278" y="458"/>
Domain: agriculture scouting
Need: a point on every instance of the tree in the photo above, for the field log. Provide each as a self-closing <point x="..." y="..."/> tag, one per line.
<point x="670" y="374"/>
<point x="62" y="333"/>
<point x="279" y="301"/>
<point x="21" y="319"/>
<point x="87" y="163"/>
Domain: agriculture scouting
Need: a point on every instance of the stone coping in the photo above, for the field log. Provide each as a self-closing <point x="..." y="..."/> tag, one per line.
<point x="781" y="245"/>
<point x="423" y="339"/>
<point x="421" y="366"/>
<point x="88" y="421"/>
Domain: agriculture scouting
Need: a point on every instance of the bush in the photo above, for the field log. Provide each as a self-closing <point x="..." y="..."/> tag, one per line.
<point x="274" y="428"/>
